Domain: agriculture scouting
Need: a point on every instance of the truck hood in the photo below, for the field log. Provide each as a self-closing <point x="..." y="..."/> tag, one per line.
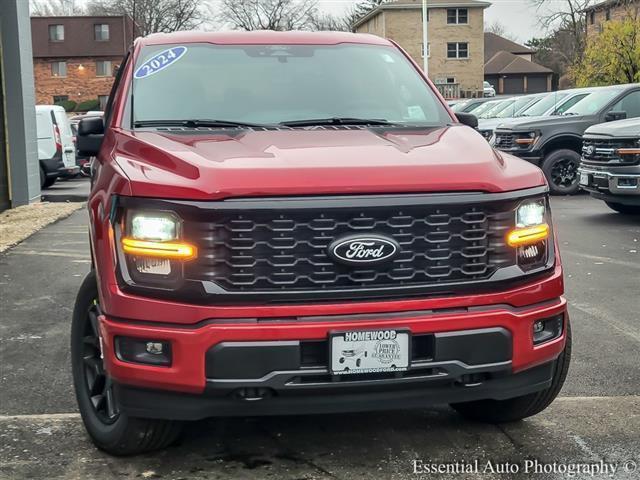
<point x="531" y="123"/>
<point x="220" y="164"/>
<point x="622" y="128"/>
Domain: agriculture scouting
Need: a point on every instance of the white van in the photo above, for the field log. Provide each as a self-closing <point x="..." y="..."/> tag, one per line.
<point x="56" y="150"/>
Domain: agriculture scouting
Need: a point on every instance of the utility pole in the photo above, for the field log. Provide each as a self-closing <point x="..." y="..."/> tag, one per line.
<point x="425" y="38"/>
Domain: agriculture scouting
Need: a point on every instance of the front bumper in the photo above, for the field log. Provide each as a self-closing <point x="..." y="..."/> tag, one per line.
<point x="620" y="185"/>
<point x="69" y="171"/>
<point x="493" y="356"/>
<point x="532" y="156"/>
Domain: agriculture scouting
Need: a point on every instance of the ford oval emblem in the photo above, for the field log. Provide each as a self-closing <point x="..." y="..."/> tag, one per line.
<point x="361" y="249"/>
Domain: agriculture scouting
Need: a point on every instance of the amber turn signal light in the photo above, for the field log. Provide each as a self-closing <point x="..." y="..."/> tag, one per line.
<point x="628" y="151"/>
<point x="527" y="236"/>
<point x="172" y="250"/>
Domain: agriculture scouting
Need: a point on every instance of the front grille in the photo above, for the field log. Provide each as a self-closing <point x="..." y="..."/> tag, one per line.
<point x="286" y="249"/>
<point x="603" y="151"/>
<point x="504" y="141"/>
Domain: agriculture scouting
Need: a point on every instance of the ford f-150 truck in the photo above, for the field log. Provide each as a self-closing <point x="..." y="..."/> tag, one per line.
<point x="288" y="223"/>
<point x="555" y="143"/>
<point x="610" y="166"/>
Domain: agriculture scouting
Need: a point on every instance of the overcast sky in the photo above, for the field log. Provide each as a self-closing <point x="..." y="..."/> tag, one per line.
<point x="518" y="16"/>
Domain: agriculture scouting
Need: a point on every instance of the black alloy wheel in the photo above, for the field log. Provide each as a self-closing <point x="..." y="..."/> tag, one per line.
<point x="98" y="384"/>
<point x="561" y="170"/>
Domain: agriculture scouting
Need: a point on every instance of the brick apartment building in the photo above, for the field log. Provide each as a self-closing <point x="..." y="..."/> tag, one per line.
<point x="74" y="58"/>
<point x="598" y="14"/>
<point x="456" y="39"/>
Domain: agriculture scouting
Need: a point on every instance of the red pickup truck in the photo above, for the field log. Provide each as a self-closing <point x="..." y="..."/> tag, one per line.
<point x="292" y="223"/>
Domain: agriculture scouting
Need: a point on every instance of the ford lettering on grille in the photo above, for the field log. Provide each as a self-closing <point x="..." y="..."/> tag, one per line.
<point x="356" y="250"/>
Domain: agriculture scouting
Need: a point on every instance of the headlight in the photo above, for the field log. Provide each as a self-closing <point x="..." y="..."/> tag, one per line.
<point x="154" y="227"/>
<point x="531" y="235"/>
<point x="526" y="139"/>
<point x="152" y="248"/>
<point x="530" y="214"/>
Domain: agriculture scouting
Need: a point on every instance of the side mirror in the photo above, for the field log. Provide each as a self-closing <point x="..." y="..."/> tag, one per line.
<point x="468" y="119"/>
<point x="90" y="135"/>
<point x="613" y="116"/>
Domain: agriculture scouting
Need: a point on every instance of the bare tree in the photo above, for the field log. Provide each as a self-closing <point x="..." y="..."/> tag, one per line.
<point x="566" y="16"/>
<point x="152" y="16"/>
<point x="53" y="8"/>
<point x="268" y="14"/>
<point x="329" y="22"/>
<point x="498" y="28"/>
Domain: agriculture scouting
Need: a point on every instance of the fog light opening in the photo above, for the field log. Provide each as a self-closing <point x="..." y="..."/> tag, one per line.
<point x="548" y="329"/>
<point x="144" y="351"/>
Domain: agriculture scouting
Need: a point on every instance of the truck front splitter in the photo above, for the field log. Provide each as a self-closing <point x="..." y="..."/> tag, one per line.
<point x="137" y="402"/>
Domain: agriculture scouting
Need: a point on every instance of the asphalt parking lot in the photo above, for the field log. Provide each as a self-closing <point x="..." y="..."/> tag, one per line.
<point x="596" y="419"/>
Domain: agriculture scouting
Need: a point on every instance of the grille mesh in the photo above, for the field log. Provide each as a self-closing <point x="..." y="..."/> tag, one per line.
<point x="604" y="150"/>
<point x="275" y="250"/>
<point x="504" y="141"/>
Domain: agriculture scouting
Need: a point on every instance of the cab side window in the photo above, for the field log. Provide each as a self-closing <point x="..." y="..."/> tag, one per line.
<point x="629" y="104"/>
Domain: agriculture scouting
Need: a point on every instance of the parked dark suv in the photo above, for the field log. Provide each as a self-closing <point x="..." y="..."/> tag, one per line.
<point x="555" y="143"/>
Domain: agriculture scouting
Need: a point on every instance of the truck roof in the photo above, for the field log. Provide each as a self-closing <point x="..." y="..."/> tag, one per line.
<point x="262" y="37"/>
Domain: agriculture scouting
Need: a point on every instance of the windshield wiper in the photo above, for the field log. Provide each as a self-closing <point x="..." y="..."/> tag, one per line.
<point x="195" y="123"/>
<point x="335" y="121"/>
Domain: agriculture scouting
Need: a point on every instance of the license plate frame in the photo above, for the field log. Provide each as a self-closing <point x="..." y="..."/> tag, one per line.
<point x="381" y="349"/>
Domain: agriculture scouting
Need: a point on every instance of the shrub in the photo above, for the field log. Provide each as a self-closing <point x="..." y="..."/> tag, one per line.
<point x="87" y="105"/>
<point x="68" y="105"/>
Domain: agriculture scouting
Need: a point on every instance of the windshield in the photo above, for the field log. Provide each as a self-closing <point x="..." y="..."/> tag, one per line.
<point x="484" y="107"/>
<point x="513" y="109"/>
<point x="547" y="103"/>
<point x="497" y="108"/>
<point x="594" y="102"/>
<point x="270" y="84"/>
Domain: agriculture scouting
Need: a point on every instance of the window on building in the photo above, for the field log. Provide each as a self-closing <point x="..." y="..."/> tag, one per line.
<point x="101" y="32"/>
<point x="428" y="50"/>
<point x="60" y="98"/>
<point x="103" y="68"/>
<point x="607" y="14"/>
<point x="592" y="17"/>
<point x="451" y="79"/>
<point x="56" y="33"/>
<point x="457" y="16"/>
<point x="458" y="50"/>
<point x="58" y="69"/>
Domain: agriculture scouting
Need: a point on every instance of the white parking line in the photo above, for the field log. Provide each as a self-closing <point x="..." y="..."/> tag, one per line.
<point x="49" y="253"/>
<point x="54" y="417"/>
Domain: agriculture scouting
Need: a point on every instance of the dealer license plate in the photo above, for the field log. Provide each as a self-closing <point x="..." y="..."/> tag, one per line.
<point x="370" y="351"/>
<point x="584" y="179"/>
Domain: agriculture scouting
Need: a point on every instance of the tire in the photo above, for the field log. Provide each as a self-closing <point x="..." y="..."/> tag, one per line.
<point x="110" y="429"/>
<point x="561" y="169"/>
<point x="514" y="409"/>
<point x="624" y="209"/>
<point x="48" y="181"/>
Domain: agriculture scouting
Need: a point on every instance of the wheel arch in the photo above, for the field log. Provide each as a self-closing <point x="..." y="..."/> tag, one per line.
<point x="565" y="141"/>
